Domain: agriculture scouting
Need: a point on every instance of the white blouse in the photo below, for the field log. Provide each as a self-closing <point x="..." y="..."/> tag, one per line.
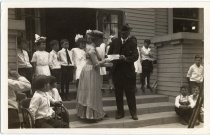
<point x="40" y="106"/>
<point x="79" y="60"/>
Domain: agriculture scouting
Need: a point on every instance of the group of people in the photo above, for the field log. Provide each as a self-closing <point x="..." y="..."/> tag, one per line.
<point x="185" y="102"/>
<point x="90" y="60"/>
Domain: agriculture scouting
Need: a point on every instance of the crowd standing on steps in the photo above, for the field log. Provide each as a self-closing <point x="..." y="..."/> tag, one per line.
<point x="120" y="59"/>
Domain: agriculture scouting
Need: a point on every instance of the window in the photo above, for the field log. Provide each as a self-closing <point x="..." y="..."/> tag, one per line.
<point x="110" y="22"/>
<point x="185" y="20"/>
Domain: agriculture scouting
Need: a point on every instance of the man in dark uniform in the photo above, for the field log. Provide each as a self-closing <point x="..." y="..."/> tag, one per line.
<point x="124" y="76"/>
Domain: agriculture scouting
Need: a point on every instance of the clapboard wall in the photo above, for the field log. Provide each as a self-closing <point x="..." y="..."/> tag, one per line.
<point x="12" y="56"/>
<point x="176" y="54"/>
<point x="15" y="26"/>
<point x="147" y="23"/>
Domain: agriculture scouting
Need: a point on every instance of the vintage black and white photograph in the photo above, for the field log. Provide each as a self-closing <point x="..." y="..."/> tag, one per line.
<point x="105" y="68"/>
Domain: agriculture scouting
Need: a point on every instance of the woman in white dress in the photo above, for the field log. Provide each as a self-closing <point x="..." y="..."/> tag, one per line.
<point x="79" y="56"/>
<point x="40" y="59"/>
<point x="89" y="96"/>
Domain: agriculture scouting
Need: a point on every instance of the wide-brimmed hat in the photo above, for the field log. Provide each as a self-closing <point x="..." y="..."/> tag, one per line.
<point x="126" y="27"/>
<point x="95" y="33"/>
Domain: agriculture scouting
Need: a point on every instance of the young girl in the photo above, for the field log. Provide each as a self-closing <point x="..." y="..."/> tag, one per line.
<point x="40" y="109"/>
<point x="184" y="105"/>
<point x="79" y="56"/>
<point x="40" y="58"/>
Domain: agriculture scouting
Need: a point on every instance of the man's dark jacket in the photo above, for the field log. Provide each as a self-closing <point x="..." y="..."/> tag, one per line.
<point x="124" y="70"/>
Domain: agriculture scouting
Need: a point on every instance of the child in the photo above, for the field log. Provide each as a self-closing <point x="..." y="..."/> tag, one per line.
<point x="16" y="84"/>
<point x="66" y="68"/>
<point x="53" y="92"/>
<point x="40" y="109"/>
<point x="40" y="58"/>
<point x="184" y="105"/>
<point x="56" y="100"/>
<point x="24" y="66"/>
<point x="195" y="74"/>
<point x="194" y="96"/>
<point x="79" y="56"/>
<point x="53" y="60"/>
<point x="147" y="66"/>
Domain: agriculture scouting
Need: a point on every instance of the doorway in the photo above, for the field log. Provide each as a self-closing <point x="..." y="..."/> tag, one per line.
<point x="67" y="22"/>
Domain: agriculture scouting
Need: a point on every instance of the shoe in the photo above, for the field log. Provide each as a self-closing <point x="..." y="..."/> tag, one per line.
<point x="150" y="89"/>
<point x="183" y="122"/>
<point x="197" y="123"/>
<point x="134" y="117"/>
<point x="143" y="89"/>
<point x="106" y="116"/>
<point x="119" y="116"/>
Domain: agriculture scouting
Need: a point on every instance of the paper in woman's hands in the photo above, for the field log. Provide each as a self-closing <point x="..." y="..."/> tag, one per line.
<point x="113" y="57"/>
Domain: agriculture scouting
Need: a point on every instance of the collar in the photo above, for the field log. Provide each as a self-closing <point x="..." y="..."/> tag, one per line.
<point x="64" y="49"/>
<point x="124" y="39"/>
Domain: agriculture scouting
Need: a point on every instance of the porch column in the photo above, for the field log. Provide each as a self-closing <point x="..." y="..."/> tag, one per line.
<point x="175" y="54"/>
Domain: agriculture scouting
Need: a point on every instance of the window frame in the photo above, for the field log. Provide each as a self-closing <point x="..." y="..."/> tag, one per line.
<point x="200" y="20"/>
<point x="100" y="13"/>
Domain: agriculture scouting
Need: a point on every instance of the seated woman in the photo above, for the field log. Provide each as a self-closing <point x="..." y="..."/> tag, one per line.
<point x="40" y="109"/>
<point x="184" y="105"/>
<point x="16" y="84"/>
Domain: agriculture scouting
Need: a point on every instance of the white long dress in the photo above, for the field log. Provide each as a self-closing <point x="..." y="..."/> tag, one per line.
<point x="79" y="60"/>
<point x="41" y="58"/>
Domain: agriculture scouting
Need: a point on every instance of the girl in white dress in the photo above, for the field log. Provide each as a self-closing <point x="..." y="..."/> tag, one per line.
<point x="79" y="56"/>
<point x="40" y="59"/>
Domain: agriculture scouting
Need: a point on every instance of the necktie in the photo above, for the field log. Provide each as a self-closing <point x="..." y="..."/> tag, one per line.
<point x="123" y="42"/>
<point x="67" y="56"/>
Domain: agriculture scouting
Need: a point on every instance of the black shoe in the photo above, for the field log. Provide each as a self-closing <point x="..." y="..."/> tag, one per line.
<point x="119" y="116"/>
<point x="134" y="117"/>
<point x="151" y="90"/>
<point x="143" y="89"/>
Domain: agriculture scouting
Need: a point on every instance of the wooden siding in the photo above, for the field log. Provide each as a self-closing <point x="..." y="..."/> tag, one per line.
<point x="147" y="23"/>
<point x="12" y="35"/>
<point x="169" y="68"/>
<point x="11" y="13"/>
<point x="161" y="21"/>
<point x="12" y="53"/>
<point x="174" y="61"/>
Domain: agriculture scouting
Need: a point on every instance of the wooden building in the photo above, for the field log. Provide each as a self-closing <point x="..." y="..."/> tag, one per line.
<point x="176" y="34"/>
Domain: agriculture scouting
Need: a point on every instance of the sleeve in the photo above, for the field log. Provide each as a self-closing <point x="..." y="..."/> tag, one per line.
<point x="34" y="57"/>
<point x="50" y="60"/>
<point x="110" y="51"/>
<point x="177" y="101"/>
<point x="58" y="97"/>
<point x="189" y="73"/>
<point x="73" y="55"/>
<point x="134" y="55"/>
<point x="94" y="58"/>
<point x="192" y="102"/>
<point x="34" y="105"/>
<point x="20" y="85"/>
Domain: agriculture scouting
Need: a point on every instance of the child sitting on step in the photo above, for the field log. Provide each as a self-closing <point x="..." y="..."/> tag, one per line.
<point x="40" y="109"/>
<point x="184" y="105"/>
<point x="194" y="96"/>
